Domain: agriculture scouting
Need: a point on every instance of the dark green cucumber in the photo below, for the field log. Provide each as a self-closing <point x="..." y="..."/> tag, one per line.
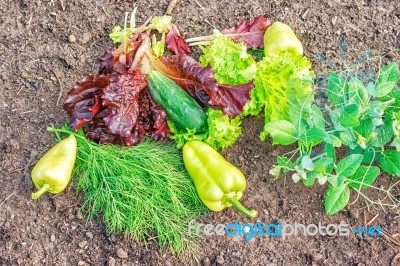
<point x="180" y="107"/>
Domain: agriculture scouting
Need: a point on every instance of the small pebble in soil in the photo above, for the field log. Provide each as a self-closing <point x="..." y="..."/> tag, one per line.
<point x="355" y="213"/>
<point x="71" y="38"/>
<point x="81" y="263"/>
<point x="79" y="215"/>
<point x="14" y="145"/>
<point x="111" y="261"/>
<point x="122" y="254"/>
<point x="317" y="257"/>
<point x="206" y="261"/>
<point x="89" y="235"/>
<point x="82" y="244"/>
<point x="86" y="37"/>
<point x="220" y="260"/>
<point x="53" y="238"/>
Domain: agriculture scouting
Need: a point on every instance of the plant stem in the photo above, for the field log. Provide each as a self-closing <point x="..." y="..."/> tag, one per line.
<point x="236" y="203"/>
<point x="41" y="191"/>
<point x="318" y="156"/>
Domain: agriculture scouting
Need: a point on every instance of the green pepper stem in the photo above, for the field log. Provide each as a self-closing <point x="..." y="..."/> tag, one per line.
<point x="236" y="203"/>
<point x="41" y="191"/>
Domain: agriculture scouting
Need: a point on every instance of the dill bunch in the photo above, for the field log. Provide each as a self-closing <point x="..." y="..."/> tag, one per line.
<point x="142" y="191"/>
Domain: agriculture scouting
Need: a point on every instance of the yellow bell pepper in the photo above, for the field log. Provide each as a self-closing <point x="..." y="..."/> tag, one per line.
<point x="53" y="171"/>
<point x="280" y="37"/>
<point x="219" y="184"/>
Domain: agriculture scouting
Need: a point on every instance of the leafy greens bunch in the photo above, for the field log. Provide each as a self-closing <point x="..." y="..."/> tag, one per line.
<point x="142" y="191"/>
<point x="362" y="117"/>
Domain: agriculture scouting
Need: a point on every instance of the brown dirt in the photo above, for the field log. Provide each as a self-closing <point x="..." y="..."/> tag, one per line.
<point x="36" y="59"/>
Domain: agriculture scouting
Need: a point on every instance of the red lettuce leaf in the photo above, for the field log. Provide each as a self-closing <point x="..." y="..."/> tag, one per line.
<point x="175" y="43"/>
<point x="121" y="99"/>
<point x="100" y="133"/>
<point x="122" y="59"/>
<point x="83" y="101"/>
<point x="251" y="33"/>
<point x="200" y="83"/>
<point x="106" y="61"/>
<point x="117" y="108"/>
<point x="151" y="121"/>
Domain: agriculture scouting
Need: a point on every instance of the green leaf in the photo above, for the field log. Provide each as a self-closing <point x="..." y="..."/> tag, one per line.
<point x="336" y="198"/>
<point x="332" y="139"/>
<point x="330" y="153"/>
<point x="283" y="86"/>
<point x="348" y="165"/>
<point x="396" y="143"/>
<point x="302" y="126"/>
<point x="282" y="132"/>
<point x="321" y="165"/>
<point x="336" y="181"/>
<point x="336" y="88"/>
<point x="309" y="181"/>
<point x="390" y="162"/>
<point x="370" y="155"/>
<point x="314" y="136"/>
<point x="356" y="92"/>
<point x="317" y="119"/>
<point x="222" y="131"/>
<point x="389" y="73"/>
<point x="348" y="139"/>
<point x="385" y="133"/>
<point x="349" y="117"/>
<point x="335" y="118"/>
<point x="284" y="161"/>
<point x="229" y="60"/>
<point x="364" y="176"/>
<point x="371" y="89"/>
<point x="181" y="136"/>
<point x="120" y="35"/>
<point x="365" y="128"/>
<point x="161" y="23"/>
<point x="391" y="102"/>
<point x="307" y="163"/>
<point x="385" y="88"/>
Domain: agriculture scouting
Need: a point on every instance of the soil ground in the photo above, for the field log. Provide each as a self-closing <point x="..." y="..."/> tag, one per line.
<point x="37" y="60"/>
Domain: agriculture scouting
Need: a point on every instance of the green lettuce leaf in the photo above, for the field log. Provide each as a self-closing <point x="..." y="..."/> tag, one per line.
<point x="222" y="131"/>
<point x="229" y="60"/>
<point x="181" y="136"/>
<point x="283" y="88"/>
<point x="120" y="35"/>
<point x="161" y="23"/>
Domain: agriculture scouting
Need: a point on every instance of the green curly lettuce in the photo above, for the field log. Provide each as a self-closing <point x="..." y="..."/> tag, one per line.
<point x="229" y="60"/>
<point x="283" y="88"/>
<point x="161" y="23"/>
<point x="120" y="35"/>
<point x="181" y="136"/>
<point x="222" y="131"/>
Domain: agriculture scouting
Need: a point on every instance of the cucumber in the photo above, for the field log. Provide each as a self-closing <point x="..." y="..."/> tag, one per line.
<point x="180" y="107"/>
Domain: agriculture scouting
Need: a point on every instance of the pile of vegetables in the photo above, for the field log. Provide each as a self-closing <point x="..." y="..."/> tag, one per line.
<point x="110" y="111"/>
<point x="148" y="90"/>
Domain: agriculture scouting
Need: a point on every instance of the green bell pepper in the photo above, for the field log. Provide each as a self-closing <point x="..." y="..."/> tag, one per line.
<point x="219" y="184"/>
<point x="53" y="171"/>
<point x="280" y="37"/>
